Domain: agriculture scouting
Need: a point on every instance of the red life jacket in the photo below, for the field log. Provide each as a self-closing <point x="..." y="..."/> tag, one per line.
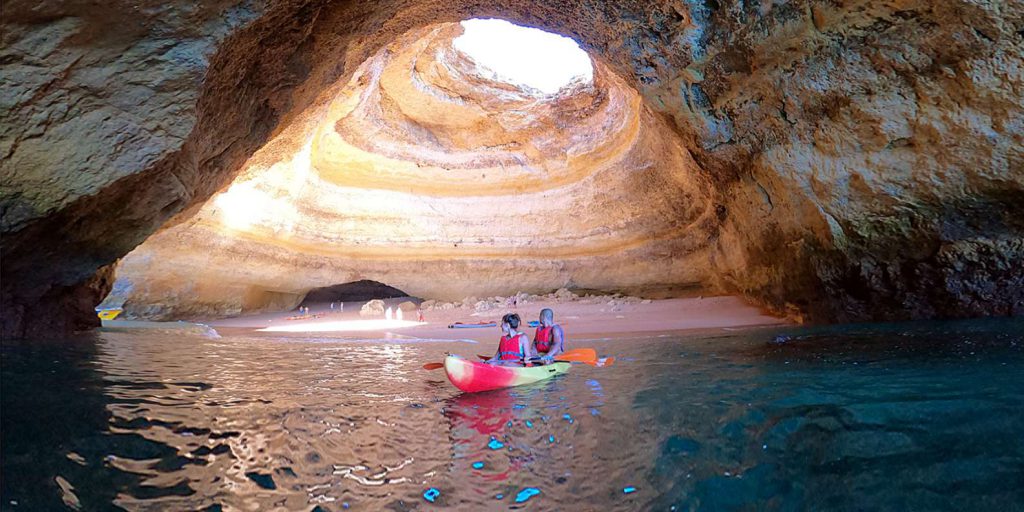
<point x="508" y="348"/>
<point x="544" y="340"/>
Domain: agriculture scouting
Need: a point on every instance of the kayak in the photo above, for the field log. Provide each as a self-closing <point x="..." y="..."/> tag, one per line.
<point x="473" y="377"/>
<point x="460" y="325"/>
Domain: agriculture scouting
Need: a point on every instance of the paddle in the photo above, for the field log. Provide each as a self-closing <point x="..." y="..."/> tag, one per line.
<point x="579" y="355"/>
<point x="604" y="361"/>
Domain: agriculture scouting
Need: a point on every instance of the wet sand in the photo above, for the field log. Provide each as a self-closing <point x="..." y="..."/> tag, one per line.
<point x="581" y="318"/>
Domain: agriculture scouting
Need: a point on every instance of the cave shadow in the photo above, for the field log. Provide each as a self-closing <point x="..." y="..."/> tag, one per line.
<point x="57" y="435"/>
<point x="355" y="291"/>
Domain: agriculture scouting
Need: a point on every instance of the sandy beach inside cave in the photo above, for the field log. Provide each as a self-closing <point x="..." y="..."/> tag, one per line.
<point x="581" y="318"/>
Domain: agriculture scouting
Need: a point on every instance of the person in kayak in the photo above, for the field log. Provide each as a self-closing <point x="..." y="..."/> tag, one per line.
<point x="514" y="346"/>
<point x="549" y="340"/>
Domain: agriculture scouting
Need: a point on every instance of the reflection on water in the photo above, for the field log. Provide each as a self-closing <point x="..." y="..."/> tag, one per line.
<point x="921" y="416"/>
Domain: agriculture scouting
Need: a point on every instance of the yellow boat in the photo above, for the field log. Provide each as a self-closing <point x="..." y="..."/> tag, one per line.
<point x="108" y="314"/>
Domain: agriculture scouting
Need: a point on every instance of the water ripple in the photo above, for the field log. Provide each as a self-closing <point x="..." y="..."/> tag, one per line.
<point x="901" y="416"/>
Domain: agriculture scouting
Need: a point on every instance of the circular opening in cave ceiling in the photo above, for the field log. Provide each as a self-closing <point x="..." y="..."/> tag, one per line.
<point x="536" y="61"/>
<point x="479" y="147"/>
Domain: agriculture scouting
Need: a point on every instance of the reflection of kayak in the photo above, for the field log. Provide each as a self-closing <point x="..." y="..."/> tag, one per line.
<point x="460" y="325"/>
<point x="473" y="377"/>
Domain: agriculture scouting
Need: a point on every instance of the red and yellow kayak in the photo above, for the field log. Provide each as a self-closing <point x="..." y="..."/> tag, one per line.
<point x="473" y="377"/>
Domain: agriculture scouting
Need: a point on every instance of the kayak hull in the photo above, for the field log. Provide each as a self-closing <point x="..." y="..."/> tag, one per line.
<point x="474" y="377"/>
<point x="460" y="325"/>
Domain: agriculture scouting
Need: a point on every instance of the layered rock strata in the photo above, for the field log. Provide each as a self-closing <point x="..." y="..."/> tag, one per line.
<point x="427" y="174"/>
<point x="864" y="157"/>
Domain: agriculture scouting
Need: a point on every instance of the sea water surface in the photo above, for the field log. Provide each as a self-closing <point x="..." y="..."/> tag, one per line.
<point x="917" y="416"/>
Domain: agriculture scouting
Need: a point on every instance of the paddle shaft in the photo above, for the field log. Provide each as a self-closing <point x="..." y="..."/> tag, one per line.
<point x="579" y="355"/>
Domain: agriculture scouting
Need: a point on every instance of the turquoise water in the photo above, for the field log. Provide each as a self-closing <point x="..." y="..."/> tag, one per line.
<point x="922" y="416"/>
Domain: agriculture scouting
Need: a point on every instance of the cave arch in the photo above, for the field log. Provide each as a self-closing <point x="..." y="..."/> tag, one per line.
<point x="425" y="170"/>
<point x="264" y="65"/>
<point x="794" y="231"/>
<point x="354" y="291"/>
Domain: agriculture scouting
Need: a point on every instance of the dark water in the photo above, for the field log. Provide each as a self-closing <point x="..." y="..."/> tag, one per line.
<point x="926" y="416"/>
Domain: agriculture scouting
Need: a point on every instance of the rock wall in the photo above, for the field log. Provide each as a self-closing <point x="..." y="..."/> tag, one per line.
<point x="424" y="173"/>
<point x="863" y="158"/>
<point x="883" y="156"/>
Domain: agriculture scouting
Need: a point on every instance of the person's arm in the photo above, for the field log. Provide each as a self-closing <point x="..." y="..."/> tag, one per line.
<point x="526" y="347"/>
<point x="496" y="357"/>
<point x="559" y="344"/>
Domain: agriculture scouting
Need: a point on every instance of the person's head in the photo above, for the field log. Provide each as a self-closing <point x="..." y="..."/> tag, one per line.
<point x="510" y="320"/>
<point x="547" y="317"/>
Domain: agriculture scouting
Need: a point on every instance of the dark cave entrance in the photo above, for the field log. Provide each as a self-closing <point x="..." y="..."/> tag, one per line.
<point x="355" y="291"/>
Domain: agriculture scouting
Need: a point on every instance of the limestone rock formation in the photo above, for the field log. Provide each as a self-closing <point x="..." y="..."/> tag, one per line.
<point x="836" y="160"/>
<point x="374" y="307"/>
<point x="880" y="153"/>
<point x="424" y="173"/>
<point x="350" y="292"/>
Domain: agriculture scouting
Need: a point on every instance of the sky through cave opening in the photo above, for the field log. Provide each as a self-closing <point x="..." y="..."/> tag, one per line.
<point x="524" y="56"/>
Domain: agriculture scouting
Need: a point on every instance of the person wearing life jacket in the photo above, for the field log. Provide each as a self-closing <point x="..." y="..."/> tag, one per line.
<point x="549" y="340"/>
<point x="514" y="346"/>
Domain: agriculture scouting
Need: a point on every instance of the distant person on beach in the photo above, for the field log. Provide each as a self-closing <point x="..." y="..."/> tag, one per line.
<point x="549" y="340"/>
<point x="514" y="347"/>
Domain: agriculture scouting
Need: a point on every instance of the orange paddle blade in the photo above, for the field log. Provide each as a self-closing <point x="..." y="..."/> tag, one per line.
<point x="604" y="361"/>
<point x="578" y="355"/>
<point x="433" y="366"/>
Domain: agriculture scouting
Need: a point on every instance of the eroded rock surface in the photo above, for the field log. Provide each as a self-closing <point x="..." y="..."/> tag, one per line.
<point x="424" y="173"/>
<point x="881" y="154"/>
<point x="863" y="159"/>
